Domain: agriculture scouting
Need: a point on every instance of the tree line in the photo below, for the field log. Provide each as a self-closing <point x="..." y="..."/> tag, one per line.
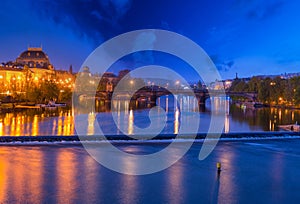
<point x="273" y="91"/>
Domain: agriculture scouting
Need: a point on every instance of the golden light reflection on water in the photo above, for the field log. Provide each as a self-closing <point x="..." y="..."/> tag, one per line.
<point x="1" y="127"/>
<point x="91" y="123"/>
<point x="35" y="126"/>
<point x="176" y="122"/>
<point x="22" y="179"/>
<point x="3" y="179"/>
<point x="24" y="124"/>
<point x="61" y="122"/>
<point x="66" y="170"/>
<point x="130" y="123"/>
<point x="43" y="174"/>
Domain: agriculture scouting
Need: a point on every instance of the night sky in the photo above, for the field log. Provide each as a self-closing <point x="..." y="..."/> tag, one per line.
<point x="250" y="37"/>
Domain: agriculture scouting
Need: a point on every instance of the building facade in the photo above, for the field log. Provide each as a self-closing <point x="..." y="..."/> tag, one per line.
<point x="32" y="67"/>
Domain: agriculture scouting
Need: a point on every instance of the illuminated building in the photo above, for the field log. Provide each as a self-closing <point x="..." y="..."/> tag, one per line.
<point x="32" y="65"/>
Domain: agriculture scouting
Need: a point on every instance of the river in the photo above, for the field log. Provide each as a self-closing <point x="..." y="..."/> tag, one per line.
<point x="264" y="171"/>
<point x="60" y="121"/>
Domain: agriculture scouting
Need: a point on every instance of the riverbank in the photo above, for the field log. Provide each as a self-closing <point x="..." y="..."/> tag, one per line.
<point x="251" y="105"/>
<point x="20" y="106"/>
<point x="199" y="136"/>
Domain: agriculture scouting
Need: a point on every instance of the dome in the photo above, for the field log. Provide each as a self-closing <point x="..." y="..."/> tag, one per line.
<point x="34" y="57"/>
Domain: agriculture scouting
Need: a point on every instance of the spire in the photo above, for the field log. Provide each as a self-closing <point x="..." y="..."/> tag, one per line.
<point x="71" y="69"/>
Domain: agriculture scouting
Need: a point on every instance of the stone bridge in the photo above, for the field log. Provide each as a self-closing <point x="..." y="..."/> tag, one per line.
<point x="149" y="95"/>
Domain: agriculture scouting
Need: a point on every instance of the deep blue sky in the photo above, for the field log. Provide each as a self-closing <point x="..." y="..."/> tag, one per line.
<point x="250" y="37"/>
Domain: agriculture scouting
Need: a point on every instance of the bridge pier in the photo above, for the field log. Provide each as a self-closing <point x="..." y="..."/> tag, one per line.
<point x="147" y="98"/>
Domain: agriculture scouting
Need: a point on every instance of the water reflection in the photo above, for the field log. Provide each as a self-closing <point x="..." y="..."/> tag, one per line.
<point x="130" y="122"/>
<point x="225" y="186"/>
<point x="66" y="168"/>
<point x="227" y="121"/>
<point x="37" y="122"/>
<point x="18" y="179"/>
<point x="91" y="123"/>
<point x="176" y="122"/>
<point x="61" y="121"/>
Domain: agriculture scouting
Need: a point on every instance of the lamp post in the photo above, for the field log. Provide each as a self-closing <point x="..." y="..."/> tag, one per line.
<point x="177" y="83"/>
<point x="131" y="84"/>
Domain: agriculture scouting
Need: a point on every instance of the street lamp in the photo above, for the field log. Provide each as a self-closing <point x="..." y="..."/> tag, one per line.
<point x="177" y="84"/>
<point x="131" y="82"/>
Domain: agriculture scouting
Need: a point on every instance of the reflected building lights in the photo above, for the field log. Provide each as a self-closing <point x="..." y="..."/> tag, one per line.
<point x="66" y="170"/>
<point x="167" y="104"/>
<point x="54" y="127"/>
<point x="1" y="128"/>
<point x="18" y="126"/>
<point x="59" y="125"/>
<point x="279" y="115"/>
<point x="3" y="178"/>
<point x="130" y="123"/>
<point x="91" y="123"/>
<point x="176" y="122"/>
<point x="126" y="108"/>
<point x="119" y="117"/>
<point x="226" y="128"/>
<point x="35" y="126"/>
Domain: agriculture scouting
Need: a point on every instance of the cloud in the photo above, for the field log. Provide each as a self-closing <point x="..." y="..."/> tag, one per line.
<point x="222" y="65"/>
<point x="259" y="10"/>
<point x="95" y="19"/>
<point x="144" y="40"/>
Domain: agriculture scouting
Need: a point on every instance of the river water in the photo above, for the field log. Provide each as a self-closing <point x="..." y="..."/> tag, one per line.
<point x="60" y="121"/>
<point x="253" y="171"/>
<point x="263" y="171"/>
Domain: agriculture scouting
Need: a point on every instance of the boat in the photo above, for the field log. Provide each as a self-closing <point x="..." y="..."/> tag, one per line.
<point x="258" y="105"/>
<point x="52" y="104"/>
<point x="291" y="127"/>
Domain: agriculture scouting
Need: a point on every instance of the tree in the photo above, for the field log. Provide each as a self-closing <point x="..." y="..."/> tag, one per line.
<point x="65" y="95"/>
<point x="50" y="90"/>
<point x="253" y="84"/>
<point x="239" y="85"/>
<point x="34" y="94"/>
<point x="264" y="90"/>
